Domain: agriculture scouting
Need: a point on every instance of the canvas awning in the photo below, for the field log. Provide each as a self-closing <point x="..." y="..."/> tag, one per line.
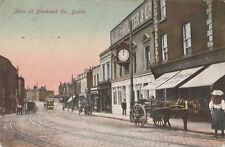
<point x="207" y="77"/>
<point x="159" y="81"/>
<point x="178" y="78"/>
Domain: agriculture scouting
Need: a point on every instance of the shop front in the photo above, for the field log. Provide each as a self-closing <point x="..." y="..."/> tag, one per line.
<point x="105" y="102"/>
<point x="95" y="99"/>
<point x="201" y="86"/>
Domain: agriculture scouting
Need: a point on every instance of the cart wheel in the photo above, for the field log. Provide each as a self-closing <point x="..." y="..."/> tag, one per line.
<point x="139" y="115"/>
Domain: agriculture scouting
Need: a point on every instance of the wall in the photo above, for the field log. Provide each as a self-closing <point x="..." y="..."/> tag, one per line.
<point x="218" y="21"/>
<point x="193" y="11"/>
<point x="104" y="59"/>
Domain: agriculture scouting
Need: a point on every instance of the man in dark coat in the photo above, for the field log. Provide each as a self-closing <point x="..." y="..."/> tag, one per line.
<point x="124" y="106"/>
<point x="217" y="109"/>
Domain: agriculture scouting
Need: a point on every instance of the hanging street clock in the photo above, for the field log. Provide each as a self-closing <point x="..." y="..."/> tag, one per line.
<point x="123" y="53"/>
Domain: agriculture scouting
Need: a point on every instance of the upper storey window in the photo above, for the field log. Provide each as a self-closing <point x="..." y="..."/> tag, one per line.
<point x="163" y="9"/>
<point x="164" y="48"/>
<point x="187" y="38"/>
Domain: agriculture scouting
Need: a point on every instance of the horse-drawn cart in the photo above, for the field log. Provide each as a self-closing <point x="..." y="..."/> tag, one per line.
<point x="160" y="111"/>
<point x="144" y="108"/>
<point x="30" y="107"/>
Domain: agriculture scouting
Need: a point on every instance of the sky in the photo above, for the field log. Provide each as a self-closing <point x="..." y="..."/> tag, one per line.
<point x="49" y="43"/>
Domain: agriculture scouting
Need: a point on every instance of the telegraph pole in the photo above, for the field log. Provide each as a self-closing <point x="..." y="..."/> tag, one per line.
<point x="131" y="72"/>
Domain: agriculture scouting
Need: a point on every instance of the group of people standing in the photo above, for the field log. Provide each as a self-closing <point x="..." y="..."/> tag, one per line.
<point x="217" y="108"/>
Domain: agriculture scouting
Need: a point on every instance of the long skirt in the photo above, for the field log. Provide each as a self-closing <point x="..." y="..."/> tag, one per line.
<point x="218" y="119"/>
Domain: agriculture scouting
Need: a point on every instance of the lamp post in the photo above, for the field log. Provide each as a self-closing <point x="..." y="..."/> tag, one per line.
<point x="131" y="72"/>
<point x="3" y="101"/>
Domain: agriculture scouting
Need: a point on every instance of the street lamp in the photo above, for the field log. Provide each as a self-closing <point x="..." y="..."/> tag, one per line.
<point x="131" y="72"/>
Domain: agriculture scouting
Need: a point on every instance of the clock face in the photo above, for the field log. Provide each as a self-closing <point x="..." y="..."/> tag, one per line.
<point x="123" y="55"/>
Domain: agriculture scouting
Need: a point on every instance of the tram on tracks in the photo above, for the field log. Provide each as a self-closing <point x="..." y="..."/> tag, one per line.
<point x="49" y="103"/>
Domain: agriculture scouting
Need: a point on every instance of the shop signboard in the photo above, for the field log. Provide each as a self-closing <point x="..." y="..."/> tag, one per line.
<point x="138" y="17"/>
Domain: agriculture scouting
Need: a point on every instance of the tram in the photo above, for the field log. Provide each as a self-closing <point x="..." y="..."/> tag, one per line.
<point x="49" y="104"/>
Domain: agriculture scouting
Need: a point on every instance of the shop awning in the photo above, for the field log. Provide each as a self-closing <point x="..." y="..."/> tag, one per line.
<point x="159" y="81"/>
<point x="178" y="78"/>
<point x="207" y="77"/>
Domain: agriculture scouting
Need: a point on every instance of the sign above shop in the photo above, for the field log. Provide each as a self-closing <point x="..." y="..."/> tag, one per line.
<point x="138" y="17"/>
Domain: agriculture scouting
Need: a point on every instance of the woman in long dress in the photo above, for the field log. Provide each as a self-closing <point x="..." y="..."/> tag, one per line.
<point x="217" y="108"/>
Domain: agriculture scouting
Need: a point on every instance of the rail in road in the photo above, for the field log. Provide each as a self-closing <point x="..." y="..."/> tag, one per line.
<point x="28" y="138"/>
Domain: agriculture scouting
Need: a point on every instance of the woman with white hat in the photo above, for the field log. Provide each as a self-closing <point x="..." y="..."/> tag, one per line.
<point x="217" y="108"/>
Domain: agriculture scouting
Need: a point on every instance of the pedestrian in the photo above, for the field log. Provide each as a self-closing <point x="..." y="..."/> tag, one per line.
<point x="124" y="107"/>
<point x="217" y="108"/>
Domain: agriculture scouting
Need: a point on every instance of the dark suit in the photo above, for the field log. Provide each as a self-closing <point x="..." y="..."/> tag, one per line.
<point x="124" y="107"/>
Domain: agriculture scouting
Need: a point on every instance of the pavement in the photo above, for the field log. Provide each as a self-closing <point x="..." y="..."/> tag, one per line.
<point x="198" y="127"/>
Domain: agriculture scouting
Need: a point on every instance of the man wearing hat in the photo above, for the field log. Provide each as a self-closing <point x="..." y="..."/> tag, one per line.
<point x="217" y="108"/>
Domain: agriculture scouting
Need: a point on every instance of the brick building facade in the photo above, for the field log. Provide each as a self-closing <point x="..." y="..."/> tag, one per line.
<point x="8" y="85"/>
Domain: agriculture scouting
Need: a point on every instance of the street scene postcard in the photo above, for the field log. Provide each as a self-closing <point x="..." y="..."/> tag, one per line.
<point x="112" y="73"/>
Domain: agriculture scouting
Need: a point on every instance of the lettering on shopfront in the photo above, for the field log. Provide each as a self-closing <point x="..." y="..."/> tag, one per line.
<point x="137" y="18"/>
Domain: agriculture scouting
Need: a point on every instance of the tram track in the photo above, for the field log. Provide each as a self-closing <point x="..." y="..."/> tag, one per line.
<point x="30" y="139"/>
<point x="75" y="131"/>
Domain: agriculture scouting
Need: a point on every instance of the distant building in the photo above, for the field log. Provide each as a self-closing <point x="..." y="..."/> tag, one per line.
<point x="21" y="91"/>
<point x="69" y="89"/>
<point x="38" y="94"/>
<point x="94" y="90"/>
<point x="84" y="82"/>
<point x="104" y="85"/>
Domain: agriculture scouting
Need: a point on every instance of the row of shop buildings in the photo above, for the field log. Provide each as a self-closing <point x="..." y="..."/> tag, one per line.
<point x="177" y="49"/>
<point x="12" y="88"/>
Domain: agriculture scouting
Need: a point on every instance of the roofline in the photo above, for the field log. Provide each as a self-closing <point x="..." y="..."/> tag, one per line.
<point x="129" y="15"/>
<point x="104" y="52"/>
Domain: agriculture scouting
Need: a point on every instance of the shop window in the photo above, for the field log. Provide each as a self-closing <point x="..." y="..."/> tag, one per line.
<point x="114" y="98"/>
<point x="119" y="97"/>
<point x="187" y="38"/>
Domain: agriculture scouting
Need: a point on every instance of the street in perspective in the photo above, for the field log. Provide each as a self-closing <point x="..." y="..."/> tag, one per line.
<point x="60" y="127"/>
<point x="90" y="73"/>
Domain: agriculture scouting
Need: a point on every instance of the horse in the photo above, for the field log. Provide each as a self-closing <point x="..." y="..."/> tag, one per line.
<point x="180" y="109"/>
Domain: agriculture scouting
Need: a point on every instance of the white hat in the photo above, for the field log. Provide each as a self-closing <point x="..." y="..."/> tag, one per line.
<point x="217" y="92"/>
